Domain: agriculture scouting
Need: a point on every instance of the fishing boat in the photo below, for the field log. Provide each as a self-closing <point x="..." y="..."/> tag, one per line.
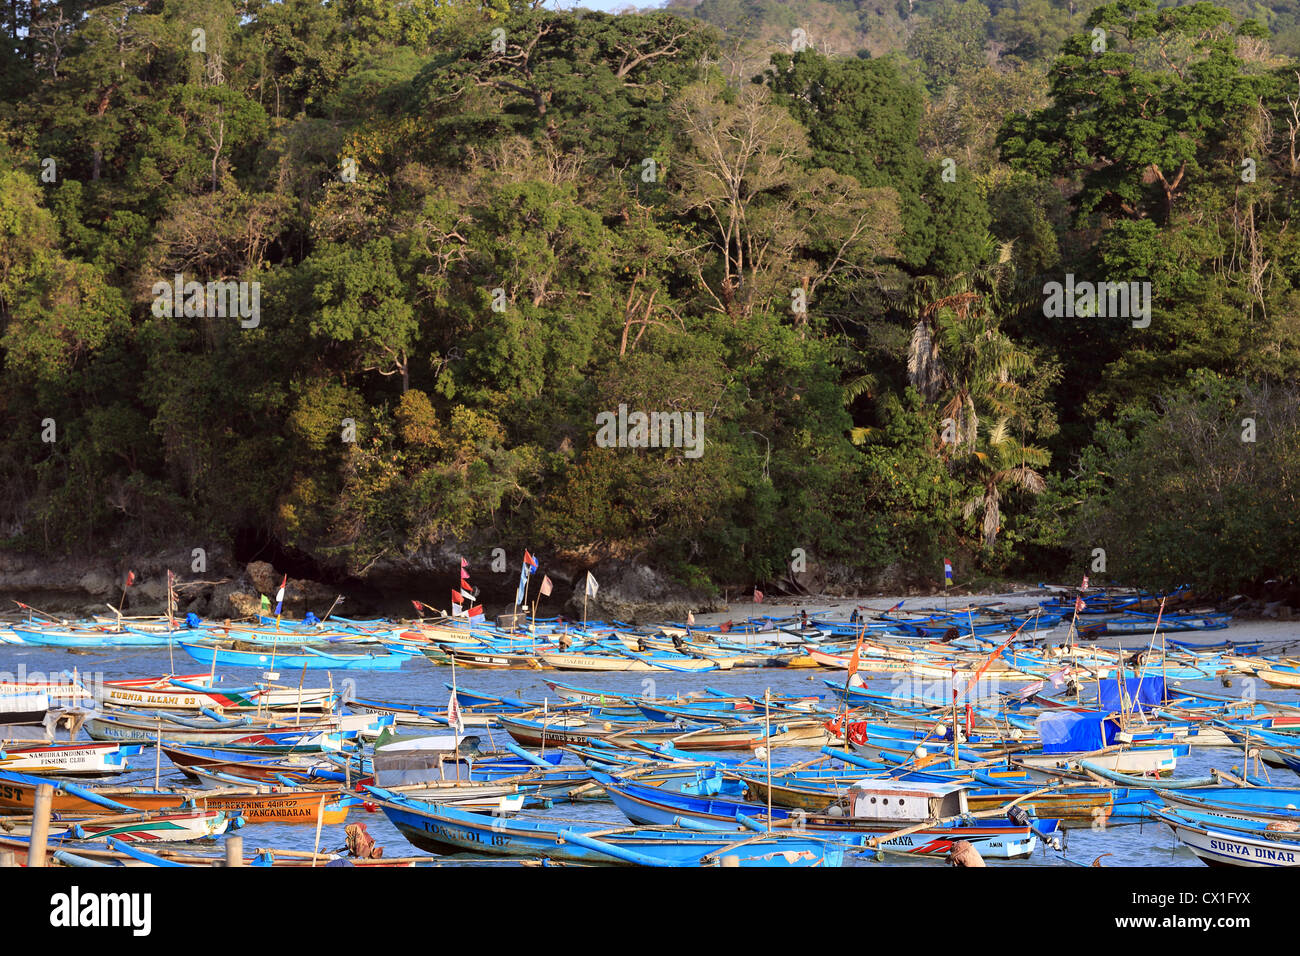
<point x="309" y="658"/>
<point x="265" y="804"/>
<point x="164" y="826"/>
<point x="1229" y="841"/>
<point x="443" y="829"/>
<point x="76" y="758"/>
<point x="179" y="694"/>
<point x="1001" y="839"/>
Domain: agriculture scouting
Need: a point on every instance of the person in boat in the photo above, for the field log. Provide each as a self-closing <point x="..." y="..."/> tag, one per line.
<point x="853" y="618"/>
<point x="803" y="619"/>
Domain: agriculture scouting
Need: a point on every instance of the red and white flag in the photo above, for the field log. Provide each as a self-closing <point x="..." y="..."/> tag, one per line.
<point x="1079" y="605"/>
<point x="758" y="596"/>
<point x="545" y="589"/>
<point x="456" y="597"/>
<point x="475" y="612"/>
<point x="1084" y="585"/>
<point x="453" y="714"/>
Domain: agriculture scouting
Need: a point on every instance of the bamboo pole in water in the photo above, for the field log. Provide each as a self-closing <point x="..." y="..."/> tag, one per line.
<point x="40" y="825"/>
<point x="320" y="819"/>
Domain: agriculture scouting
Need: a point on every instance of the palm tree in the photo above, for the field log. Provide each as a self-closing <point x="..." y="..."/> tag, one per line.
<point x="1004" y="464"/>
<point x="957" y="349"/>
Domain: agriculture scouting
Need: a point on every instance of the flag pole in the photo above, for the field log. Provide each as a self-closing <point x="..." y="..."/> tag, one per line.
<point x="455" y="734"/>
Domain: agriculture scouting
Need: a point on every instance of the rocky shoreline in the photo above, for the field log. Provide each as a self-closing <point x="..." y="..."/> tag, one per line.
<point x="216" y="585"/>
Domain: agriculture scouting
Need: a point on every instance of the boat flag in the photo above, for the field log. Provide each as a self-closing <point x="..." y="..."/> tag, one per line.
<point x="453" y="714"/>
<point x="1084" y="585"/>
<point x="419" y="608"/>
<point x="758" y="596"/>
<point x="947" y="572"/>
<point x="690" y="617"/>
<point x="530" y="563"/>
<point x="1058" y="679"/>
<point x="474" y="612"/>
<point x="522" y="592"/>
<point x="725" y="628"/>
<point x="853" y="661"/>
<point x="130" y="578"/>
<point x="279" y="595"/>
<point x="545" y="589"/>
<point x="592" y="586"/>
<point x="1078" y="604"/>
<point x="457" y="597"/>
<point x="266" y="604"/>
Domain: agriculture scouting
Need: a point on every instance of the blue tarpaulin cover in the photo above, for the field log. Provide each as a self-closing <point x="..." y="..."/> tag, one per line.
<point x="1143" y="692"/>
<point x="1075" y="731"/>
<point x="193" y="620"/>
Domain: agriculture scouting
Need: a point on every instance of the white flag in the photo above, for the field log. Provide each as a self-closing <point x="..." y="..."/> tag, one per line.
<point x="592" y="586"/>
<point x="453" y="714"/>
<point x="690" y="617"/>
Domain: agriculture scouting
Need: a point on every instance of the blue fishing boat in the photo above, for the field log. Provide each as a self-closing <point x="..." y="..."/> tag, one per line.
<point x="1219" y="840"/>
<point x="298" y="658"/>
<point x="443" y="829"/>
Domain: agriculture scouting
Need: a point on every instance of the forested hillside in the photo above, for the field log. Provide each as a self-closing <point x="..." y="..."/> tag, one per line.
<point x="849" y="236"/>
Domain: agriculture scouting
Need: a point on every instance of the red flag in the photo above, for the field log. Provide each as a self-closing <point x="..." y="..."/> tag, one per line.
<point x="130" y="578"/>
<point x="725" y="628"/>
<point x="970" y="719"/>
<point x="545" y="589"/>
<point x="758" y="596"/>
<point x="418" y="607"/>
<point x="1078" y="604"/>
<point x="476" y="611"/>
<point x="456" y="597"/>
<point x="463" y="564"/>
<point x="853" y="661"/>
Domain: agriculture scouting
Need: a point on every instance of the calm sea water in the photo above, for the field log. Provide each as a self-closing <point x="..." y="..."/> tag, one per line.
<point x="421" y="682"/>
